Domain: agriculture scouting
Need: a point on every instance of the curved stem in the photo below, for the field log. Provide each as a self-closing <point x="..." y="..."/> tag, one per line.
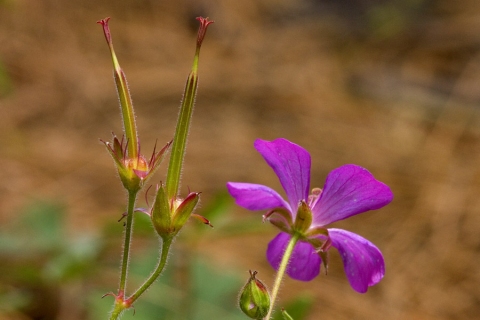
<point x="167" y="242"/>
<point x="122" y="304"/>
<point x="281" y="272"/>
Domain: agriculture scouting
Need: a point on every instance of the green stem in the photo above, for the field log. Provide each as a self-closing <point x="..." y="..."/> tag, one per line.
<point x="281" y="272"/>
<point x="119" y="304"/>
<point x="128" y="238"/>
<point x="117" y="310"/>
<point x="122" y="304"/>
<point x="161" y="265"/>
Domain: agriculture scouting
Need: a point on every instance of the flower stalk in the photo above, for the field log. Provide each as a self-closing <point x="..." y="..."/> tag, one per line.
<point x="281" y="272"/>
<point x="166" y="244"/>
<point x="128" y="238"/>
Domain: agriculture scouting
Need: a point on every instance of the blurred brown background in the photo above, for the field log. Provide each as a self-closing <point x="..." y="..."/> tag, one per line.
<point x="389" y="85"/>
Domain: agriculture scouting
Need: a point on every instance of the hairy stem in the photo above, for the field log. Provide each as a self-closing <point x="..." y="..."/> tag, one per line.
<point x="281" y="272"/>
<point x="128" y="238"/>
<point x="119" y="304"/>
<point x="184" y="118"/>
<point x="167" y="242"/>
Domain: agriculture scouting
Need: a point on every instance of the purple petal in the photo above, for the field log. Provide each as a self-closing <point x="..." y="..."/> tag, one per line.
<point x="349" y="190"/>
<point x="304" y="263"/>
<point x="362" y="260"/>
<point x="256" y="196"/>
<point x="291" y="163"/>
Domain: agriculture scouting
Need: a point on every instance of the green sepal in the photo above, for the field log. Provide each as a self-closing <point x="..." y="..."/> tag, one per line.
<point x="184" y="211"/>
<point x="161" y="216"/>
<point x="117" y="148"/>
<point x="325" y="259"/>
<point x="279" y="217"/>
<point x="303" y="220"/>
<point x="129" y="179"/>
<point x="317" y="231"/>
<point x="157" y="158"/>
<point x="113" y="154"/>
<point x="321" y="246"/>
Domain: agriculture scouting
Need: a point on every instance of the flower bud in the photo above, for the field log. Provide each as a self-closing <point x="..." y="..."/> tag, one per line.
<point x="255" y="298"/>
<point x="134" y="172"/>
<point x="168" y="217"/>
<point x="160" y="215"/>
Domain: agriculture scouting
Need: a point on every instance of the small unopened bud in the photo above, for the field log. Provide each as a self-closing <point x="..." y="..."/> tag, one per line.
<point x="169" y="217"/>
<point x="255" y="298"/>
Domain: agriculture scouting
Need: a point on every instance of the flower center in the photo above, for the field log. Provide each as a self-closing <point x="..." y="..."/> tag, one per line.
<point x="138" y="163"/>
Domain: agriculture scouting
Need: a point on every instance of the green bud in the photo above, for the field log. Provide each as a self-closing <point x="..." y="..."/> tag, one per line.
<point x="134" y="172"/>
<point x="161" y="217"/>
<point x="168" y="217"/>
<point x="255" y="298"/>
<point x="184" y="211"/>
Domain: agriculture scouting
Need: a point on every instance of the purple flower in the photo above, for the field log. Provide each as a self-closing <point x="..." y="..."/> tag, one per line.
<point x="348" y="190"/>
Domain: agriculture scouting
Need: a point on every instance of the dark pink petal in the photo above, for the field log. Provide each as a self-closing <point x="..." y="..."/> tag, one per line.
<point x="291" y="163"/>
<point x="362" y="260"/>
<point x="304" y="263"/>
<point x="256" y="196"/>
<point x="349" y="190"/>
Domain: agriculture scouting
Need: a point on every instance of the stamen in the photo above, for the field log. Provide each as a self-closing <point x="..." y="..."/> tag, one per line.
<point x="313" y="197"/>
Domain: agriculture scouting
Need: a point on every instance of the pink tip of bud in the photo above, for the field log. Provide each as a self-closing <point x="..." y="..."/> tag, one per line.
<point x="106" y="29"/>
<point x="204" y="23"/>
